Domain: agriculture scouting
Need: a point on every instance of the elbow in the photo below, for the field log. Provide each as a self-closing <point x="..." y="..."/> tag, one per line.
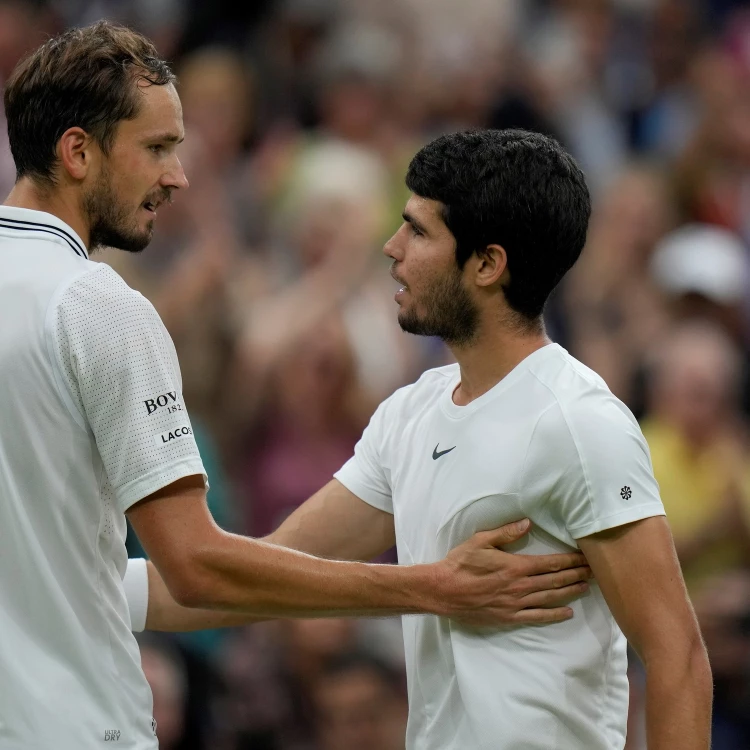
<point x="700" y="666"/>
<point x="684" y="660"/>
<point x="190" y="594"/>
<point x="192" y="584"/>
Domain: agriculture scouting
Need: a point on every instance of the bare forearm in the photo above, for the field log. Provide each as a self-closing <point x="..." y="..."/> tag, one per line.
<point x="165" y="614"/>
<point x="253" y="577"/>
<point x="678" y="703"/>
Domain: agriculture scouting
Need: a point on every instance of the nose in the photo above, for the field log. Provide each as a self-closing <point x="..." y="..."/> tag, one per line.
<point x="392" y="250"/>
<point x="175" y="178"/>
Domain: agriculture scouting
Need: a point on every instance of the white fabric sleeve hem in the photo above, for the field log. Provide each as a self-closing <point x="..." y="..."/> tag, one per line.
<point x="144" y="486"/>
<point x="350" y="477"/>
<point x="135" y="584"/>
<point x="618" y="519"/>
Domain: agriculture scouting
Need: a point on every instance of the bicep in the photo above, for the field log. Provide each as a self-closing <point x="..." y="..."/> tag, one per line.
<point x="335" y="523"/>
<point x="637" y="569"/>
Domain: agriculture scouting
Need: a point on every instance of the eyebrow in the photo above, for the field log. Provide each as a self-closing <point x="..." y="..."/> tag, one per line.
<point x="409" y="219"/>
<point x="166" y="138"/>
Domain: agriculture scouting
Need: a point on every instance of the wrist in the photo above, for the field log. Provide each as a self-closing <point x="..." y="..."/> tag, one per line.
<point x="431" y="584"/>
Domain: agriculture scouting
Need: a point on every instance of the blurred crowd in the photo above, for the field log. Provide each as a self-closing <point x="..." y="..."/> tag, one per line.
<point x="301" y="117"/>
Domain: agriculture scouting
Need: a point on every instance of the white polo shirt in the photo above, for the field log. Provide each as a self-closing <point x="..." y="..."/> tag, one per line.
<point x="549" y="442"/>
<point x="91" y="421"/>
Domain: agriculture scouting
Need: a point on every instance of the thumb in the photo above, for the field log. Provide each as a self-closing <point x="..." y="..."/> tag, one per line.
<point x="508" y="533"/>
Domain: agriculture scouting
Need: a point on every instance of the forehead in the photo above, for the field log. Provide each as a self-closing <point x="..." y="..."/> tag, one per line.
<point x="160" y="113"/>
<point x="425" y="210"/>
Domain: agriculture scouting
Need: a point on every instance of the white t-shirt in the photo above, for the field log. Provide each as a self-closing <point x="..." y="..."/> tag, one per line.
<point x="91" y="421"/>
<point x="551" y="443"/>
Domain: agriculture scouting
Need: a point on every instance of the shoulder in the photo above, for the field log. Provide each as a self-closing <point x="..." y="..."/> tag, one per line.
<point x="98" y="284"/>
<point x="582" y="409"/>
<point x="97" y="312"/>
<point x="99" y="301"/>
<point x="423" y="390"/>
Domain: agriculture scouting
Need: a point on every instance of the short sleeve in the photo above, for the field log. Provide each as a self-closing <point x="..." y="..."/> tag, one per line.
<point x="135" y="584"/>
<point x="592" y="465"/>
<point x="119" y="370"/>
<point x="364" y="473"/>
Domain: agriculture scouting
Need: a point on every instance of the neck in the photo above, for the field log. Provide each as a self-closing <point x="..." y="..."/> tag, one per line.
<point x="491" y="355"/>
<point x="56" y="201"/>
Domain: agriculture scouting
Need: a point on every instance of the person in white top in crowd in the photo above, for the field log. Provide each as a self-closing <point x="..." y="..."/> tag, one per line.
<point x="517" y="428"/>
<point x="93" y="425"/>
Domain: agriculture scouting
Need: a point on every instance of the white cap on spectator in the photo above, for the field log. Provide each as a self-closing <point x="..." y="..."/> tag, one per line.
<point x="703" y="259"/>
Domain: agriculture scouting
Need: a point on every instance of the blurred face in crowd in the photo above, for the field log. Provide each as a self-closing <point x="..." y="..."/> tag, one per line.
<point x="433" y="299"/>
<point x="357" y="709"/>
<point x="217" y="101"/>
<point x="696" y="380"/>
<point x="138" y="174"/>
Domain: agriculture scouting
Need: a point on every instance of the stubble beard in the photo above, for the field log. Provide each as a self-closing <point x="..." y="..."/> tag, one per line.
<point x="109" y="221"/>
<point x="450" y="313"/>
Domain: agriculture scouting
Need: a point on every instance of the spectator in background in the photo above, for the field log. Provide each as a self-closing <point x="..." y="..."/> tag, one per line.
<point x="699" y="448"/>
<point x="272" y="672"/>
<point x="320" y="343"/>
<point x="611" y="306"/>
<point x="360" y="702"/>
<point x="712" y="175"/>
<point x="704" y="271"/>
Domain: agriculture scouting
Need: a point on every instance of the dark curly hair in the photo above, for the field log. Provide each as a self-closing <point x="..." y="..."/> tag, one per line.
<point x="513" y="188"/>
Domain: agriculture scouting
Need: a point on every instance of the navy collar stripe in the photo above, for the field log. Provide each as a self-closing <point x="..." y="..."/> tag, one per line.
<point x="33" y="226"/>
<point x="49" y="226"/>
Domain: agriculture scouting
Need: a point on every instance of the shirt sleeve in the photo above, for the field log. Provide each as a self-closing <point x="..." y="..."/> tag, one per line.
<point x="118" y="368"/>
<point x="364" y="473"/>
<point x="135" y="584"/>
<point x="592" y="466"/>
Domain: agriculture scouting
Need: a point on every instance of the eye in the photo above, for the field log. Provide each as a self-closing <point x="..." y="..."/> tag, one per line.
<point x="415" y="231"/>
<point x="156" y="148"/>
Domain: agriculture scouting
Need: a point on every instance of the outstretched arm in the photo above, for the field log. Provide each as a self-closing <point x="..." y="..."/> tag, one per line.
<point x="637" y="569"/>
<point x="336" y="523"/>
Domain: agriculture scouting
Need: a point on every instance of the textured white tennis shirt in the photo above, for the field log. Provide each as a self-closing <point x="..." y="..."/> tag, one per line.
<point x="549" y="442"/>
<point x="92" y="420"/>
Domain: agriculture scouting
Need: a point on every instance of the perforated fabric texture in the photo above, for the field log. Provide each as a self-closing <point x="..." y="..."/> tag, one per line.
<point x="120" y="367"/>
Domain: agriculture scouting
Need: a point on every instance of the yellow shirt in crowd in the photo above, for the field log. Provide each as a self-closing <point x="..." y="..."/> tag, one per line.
<point x="694" y="488"/>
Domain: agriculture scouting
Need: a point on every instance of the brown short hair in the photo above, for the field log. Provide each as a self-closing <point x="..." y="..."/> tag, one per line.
<point x="85" y="77"/>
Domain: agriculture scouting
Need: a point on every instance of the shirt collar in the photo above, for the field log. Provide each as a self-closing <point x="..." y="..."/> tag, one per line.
<point x="24" y="220"/>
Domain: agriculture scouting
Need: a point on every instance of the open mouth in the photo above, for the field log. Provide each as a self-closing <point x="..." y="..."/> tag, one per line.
<point x="404" y="287"/>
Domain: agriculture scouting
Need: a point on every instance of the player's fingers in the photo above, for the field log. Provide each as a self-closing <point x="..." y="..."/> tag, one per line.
<point x="542" y="616"/>
<point x="533" y="565"/>
<point x="504" y="534"/>
<point x="560" y="579"/>
<point x="554" y="598"/>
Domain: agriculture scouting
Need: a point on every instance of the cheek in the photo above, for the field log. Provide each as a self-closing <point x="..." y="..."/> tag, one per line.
<point x="133" y="177"/>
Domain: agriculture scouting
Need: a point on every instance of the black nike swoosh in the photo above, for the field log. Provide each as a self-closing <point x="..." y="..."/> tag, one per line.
<point x="436" y="454"/>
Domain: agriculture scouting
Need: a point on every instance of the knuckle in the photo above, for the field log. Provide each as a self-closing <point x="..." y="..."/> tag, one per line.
<point x="516" y="589"/>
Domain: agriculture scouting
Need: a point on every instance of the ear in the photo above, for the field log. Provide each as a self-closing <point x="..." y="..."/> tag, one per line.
<point x="491" y="266"/>
<point x="75" y="151"/>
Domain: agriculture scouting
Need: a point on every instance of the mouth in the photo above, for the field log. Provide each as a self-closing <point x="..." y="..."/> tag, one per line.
<point x="401" y="293"/>
<point x="150" y="206"/>
<point x="404" y="287"/>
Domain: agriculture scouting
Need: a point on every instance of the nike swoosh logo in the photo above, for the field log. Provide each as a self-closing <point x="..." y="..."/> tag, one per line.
<point x="436" y="453"/>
